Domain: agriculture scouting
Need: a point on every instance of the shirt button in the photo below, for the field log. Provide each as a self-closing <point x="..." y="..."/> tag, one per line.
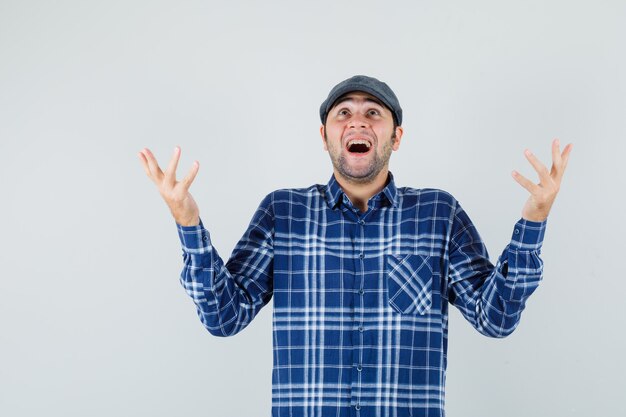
<point x="517" y="231"/>
<point x="361" y="329"/>
<point x="361" y="292"/>
<point x="205" y="238"/>
<point x="360" y="256"/>
<point x="361" y="222"/>
<point x="357" y="407"/>
<point x="359" y="368"/>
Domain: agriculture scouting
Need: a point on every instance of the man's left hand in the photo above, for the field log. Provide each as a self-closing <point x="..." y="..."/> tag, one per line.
<point x="542" y="195"/>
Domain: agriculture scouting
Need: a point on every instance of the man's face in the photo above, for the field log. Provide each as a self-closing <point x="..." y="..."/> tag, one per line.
<point x="359" y="135"/>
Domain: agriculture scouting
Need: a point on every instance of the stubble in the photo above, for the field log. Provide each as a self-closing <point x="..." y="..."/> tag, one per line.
<point x="366" y="174"/>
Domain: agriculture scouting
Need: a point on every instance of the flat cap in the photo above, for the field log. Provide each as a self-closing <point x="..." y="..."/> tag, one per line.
<point x="365" y="84"/>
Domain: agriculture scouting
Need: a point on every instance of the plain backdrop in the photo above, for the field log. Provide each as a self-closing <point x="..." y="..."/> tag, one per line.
<point x="93" y="320"/>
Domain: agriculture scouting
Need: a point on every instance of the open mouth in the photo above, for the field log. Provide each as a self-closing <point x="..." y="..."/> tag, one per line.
<point x="358" y="146"/>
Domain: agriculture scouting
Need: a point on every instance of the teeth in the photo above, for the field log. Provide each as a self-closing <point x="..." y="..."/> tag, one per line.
<point x="359" y="142"/>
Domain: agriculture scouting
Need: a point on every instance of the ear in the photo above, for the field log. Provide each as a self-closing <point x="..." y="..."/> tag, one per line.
<point x="396" y="143"/>
<point x="323" y="138"/>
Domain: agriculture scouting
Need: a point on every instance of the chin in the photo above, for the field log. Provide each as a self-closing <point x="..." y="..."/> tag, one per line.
<point x="360" y="177"/>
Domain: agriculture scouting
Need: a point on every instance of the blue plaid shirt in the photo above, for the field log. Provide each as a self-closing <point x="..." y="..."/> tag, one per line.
<point x="360" y="319"/>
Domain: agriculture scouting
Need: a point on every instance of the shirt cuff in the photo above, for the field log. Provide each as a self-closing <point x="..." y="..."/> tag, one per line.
<point x="194" y="239"/>
<point x="528" y="235"/>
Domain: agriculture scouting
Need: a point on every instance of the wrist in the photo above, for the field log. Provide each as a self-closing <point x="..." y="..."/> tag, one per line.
<point x="187" y="221"/>
<point x="537" y="219"/>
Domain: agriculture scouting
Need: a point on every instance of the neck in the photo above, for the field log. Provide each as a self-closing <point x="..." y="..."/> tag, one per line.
<point x="360" y="193"/>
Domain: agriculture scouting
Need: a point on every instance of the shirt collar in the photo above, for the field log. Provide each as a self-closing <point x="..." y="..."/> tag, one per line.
<point x="334" y="193"/>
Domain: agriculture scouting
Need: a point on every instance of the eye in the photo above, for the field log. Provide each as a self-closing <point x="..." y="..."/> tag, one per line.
<point x="373" y="112"/>
<point x="343" y="112"/>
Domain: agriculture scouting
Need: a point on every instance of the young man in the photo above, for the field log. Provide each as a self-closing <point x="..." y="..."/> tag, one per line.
<point x="362" y="272"/>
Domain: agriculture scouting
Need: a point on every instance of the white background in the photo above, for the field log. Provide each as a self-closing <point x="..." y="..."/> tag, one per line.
<point x="93" y="320"/>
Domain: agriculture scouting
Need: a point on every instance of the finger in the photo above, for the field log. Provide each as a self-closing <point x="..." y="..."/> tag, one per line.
<point x="144" y="164"/>
<point x="191" y="175"/>
<point x="565" y="158"/>
<point x="556" y="153"/>
<point x="170" y="172"/>
<point x="157" y="174"/>
<point x="524" y="182"/>
<point x="565" y="155"/>
<point x="556" y="159"/>
<point x="542" y="170"/>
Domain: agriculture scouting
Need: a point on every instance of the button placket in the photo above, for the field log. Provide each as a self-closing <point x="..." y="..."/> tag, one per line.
<point x="359" y="307"/>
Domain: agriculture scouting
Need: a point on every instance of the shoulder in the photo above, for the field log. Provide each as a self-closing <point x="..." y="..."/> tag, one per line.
<point x="426" y="196"/>
<point x="296" y="194"/>
<point x="293" y="197"/>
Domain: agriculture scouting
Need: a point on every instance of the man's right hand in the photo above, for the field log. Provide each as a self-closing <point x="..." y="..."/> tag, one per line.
<point x="175" y="193"/>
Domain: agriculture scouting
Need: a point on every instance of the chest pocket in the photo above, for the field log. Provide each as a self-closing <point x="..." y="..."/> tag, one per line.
<point x="409" y="283"/>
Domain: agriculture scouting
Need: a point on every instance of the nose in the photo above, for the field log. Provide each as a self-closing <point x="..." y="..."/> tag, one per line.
<point x="358" y="121"/>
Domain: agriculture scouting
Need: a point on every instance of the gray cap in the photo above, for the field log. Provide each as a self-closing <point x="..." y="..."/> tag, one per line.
<point x="366" y="84"/>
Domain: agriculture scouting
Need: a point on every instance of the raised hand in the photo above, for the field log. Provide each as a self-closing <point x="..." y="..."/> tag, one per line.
<point x="175" y="193"/>
<point x="542" y="195"/>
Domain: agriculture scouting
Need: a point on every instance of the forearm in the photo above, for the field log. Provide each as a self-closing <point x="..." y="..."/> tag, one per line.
<point x="223" y="305"/>
<point x="492" y="298"/>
